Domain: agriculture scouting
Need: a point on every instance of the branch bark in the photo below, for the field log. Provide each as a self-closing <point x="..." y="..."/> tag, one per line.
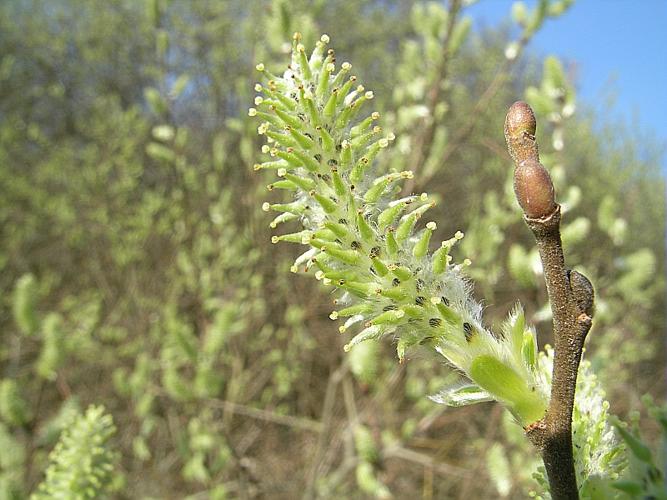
<point x="571" y="323"/>
<point x="570" y="295"/>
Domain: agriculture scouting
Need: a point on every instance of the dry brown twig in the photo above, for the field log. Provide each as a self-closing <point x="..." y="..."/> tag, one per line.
<point x="570" y="294"/>
<point x="422" y="149"/>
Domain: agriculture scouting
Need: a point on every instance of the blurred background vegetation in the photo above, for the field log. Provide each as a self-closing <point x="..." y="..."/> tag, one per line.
<point x="137" y="270"/>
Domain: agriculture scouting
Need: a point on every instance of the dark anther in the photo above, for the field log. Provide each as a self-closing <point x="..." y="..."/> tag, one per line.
<point x="653" y="474"/>
<point x="468" y="331"/>
<point x="435" y="322"/>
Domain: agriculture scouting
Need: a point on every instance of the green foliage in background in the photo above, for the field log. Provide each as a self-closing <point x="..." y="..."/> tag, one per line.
<point x="137" y="271"/>
<point x="82" y="463"/>
<point x="645" y="476"/>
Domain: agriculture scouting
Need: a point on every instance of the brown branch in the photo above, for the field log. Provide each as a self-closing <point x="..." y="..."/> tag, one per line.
<point x="489" y="437"/>
<point x="398" y="451"/>
<point x="570" y="295"/>
<point x="465" y="130"/>
<point x="422" y="149"/>
<point x="553" y="435"/>
<point x="301" y="423"/>
<point x="327" y="414"/>
<point x="501" y="75"/>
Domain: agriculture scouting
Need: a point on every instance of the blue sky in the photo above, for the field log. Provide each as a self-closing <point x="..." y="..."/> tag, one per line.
<point x="618" y="48"/>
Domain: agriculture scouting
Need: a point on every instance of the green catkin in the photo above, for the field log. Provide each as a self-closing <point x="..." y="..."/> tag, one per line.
<point x="24" y="304"/>
<point x="362" y="140"/>
<point x="285" y="101"/>
<point x="440" y="259"/>
<point x="401" y="272"/>
<point x="280" y="138"/>
<point x="346" y="153"/>
<point x="391" y="316"/>
<point x="345" y="90"/>
<point x="325" y="74"/>
<point x="326" y="235"/>
<point x="338" y="184"/>
<point x="310" y="108"/>
<point x="380" y="267"/>
<point x="307" y="161"/>
<point x="360" y="308"/>
<point x="276" y="164"/>
<point x="346" y="256"/>
<point x="303" y="62"/>
<point x="344" y="70"/>
<point x="365" y="123"/>
<point x="287" y="185"/>
<point x="282" y="218"/>
<point x="388" y="215"/>
<point x="81" y="464"/>
<point x="371" y="247"/>
<point x="296" y="207"/>
<point x="302" y="140"/>
<point x="406" y="226"/>
<point x="289" y="157"/>
<point x="327" y="140"/>
<point x="273" y="120"/>
<point x="365" y="229"/>
<point x="330" y="106"/>
<point x="302" y="182"/>
<point x="327" y="204"/>
<point x="421" y="247"/>
<point x="299" y="237"/>
<point x="288" y="119"/>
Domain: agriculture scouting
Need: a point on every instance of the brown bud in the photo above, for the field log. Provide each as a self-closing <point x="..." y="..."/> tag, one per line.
<point x="582" y="291"/>
<point x="520" y="125"/>
<point x="533" y="189"/>
<point x="520" y="118"/>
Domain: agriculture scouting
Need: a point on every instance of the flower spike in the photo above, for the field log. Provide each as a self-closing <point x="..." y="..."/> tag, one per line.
<point x="372" y="246"/>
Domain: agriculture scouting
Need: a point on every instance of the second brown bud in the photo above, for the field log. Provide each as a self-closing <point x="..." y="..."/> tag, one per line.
<point x="533" y="189"/>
